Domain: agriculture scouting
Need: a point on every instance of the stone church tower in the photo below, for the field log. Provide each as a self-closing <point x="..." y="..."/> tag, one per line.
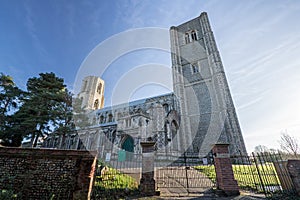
<point x="206" y="108"/>
<point x="92" y="93"/>
<point x="198" y="114"/>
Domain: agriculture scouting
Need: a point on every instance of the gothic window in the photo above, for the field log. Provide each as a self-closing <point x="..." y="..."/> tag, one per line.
<point x="195" y="68"/>
<point x="190" y="36"/>
<point x="187" y="38"/>
<point x="167" y="132"/>
<point x="174" y="128"/>
<point x="166" y="107"/>
<point x="99" y="88"/>
<point x="128" y="122"/>
<point x="96" y="104"/>
<point x="101" y="119"/>
<point x="194" y="36"/>
<point x="110" y="118"/>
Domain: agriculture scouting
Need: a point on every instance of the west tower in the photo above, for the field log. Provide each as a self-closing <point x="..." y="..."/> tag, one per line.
<point x="92" y="93"/>
<point x="199" y="82"/>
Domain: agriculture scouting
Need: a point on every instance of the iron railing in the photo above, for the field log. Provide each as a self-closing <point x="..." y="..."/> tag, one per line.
<point x="262" y="173"/>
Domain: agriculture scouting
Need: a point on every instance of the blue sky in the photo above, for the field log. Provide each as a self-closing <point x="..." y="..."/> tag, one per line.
<point x="259" y="42"/>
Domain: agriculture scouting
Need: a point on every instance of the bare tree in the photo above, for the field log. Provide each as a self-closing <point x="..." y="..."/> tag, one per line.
<point x="289" y="143"/>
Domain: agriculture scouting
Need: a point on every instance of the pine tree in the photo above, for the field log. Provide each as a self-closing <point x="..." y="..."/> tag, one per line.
<point x="10" y="101"/>
<point x="39" y="115"/>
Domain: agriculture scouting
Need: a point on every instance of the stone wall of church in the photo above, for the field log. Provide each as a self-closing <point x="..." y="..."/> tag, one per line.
<point x="150" y="119"/>
<point x="207" y="111"/>
<point x="199" y="114"/>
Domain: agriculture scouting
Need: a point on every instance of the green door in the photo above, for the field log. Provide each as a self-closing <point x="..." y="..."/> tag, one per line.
<point x="128" y="144"/>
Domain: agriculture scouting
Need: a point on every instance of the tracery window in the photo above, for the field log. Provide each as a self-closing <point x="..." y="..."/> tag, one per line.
<point x="190" y="36"/>
<point x="194" y="36"/>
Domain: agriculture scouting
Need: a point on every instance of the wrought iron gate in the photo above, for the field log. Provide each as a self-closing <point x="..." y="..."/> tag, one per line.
<point x="183" y="176"/>
<point x="262" y="173"/>
<point x="117" y="175"/>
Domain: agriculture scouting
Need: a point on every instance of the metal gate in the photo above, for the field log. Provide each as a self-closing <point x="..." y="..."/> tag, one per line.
<point x="183" y="175"/>
<point x="117" y="175"/>
<point x="262" y="173"/>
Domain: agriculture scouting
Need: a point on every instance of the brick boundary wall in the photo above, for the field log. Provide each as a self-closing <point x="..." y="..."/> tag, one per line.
<point x="45" y="173"/>
<point x="224" y="173"/>
<point x="294" y="171"/>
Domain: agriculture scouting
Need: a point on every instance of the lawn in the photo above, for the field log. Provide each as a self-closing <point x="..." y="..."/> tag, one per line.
<point x="248" y="177"/>
<point x="112" y="184"/>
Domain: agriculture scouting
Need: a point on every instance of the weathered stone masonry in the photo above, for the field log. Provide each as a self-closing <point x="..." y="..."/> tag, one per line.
<point x="199" y="113"/>
<point x="42" y="173"/>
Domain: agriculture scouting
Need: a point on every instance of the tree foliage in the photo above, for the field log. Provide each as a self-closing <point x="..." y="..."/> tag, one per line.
<point x="10" y="100"/>
<point x="44" y="109"/>
<point x="261" y="149"/>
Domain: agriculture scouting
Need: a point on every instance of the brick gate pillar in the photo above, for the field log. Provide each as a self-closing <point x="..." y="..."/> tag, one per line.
<point x="294" y="171"/>
<point x="224" y="173"/>
<point x="147" y="182"/>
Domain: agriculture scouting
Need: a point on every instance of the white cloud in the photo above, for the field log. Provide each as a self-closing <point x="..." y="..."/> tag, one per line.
<point x="32" y="31"/>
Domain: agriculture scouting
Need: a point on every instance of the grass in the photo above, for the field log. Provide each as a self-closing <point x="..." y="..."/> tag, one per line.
<point x="248" y="177"/>
<point x="7" y="194"/>
<point x="112" y="184"/>
<point x="112" y="178"/>
<point x="208" y="170"/>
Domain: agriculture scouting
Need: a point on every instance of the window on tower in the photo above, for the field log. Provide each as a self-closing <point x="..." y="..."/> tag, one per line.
<point x="190" y="36"/>
<point x="187" y="38"/>
<point x="194" y="36"/>
<point x="96" y="104"/>
<point x="195" y="68"/>
<point x="99" y="88"/>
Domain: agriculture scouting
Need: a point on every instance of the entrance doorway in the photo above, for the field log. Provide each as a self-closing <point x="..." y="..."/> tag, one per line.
<point x="128" y="144"/>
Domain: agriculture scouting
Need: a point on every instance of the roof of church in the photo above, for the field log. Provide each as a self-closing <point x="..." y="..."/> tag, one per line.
<point x="132" y="103"/>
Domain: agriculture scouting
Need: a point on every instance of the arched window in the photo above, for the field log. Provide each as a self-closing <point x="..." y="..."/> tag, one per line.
<point x="194" y="36"/>
<point x="101" y="119"/>
<point x="166" y="107"/>
<point x="195" y="68"/>
<point x="174" y="128"/>
<point x="187" y="38"/>
<point x="99" y="88"/>
<point x="110" y="117"/>
<point x="96" y="104"/>
<point x="128" y="122"/>
<point x="167" y="132"/>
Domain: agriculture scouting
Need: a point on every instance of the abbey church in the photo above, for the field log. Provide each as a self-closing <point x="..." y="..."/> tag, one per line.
<point x="196" y="115"/>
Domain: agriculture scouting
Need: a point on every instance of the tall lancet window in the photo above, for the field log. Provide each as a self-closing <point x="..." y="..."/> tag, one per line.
<point x="194" y="36"/>
<point x="194" y="68"/>
<point x="99" y="88"/>
<point x="187" y="38"/>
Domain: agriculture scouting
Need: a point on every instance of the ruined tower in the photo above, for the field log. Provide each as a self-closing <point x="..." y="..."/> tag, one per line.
<point x="206" y="108"/>
<point x="92" y="93"/>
